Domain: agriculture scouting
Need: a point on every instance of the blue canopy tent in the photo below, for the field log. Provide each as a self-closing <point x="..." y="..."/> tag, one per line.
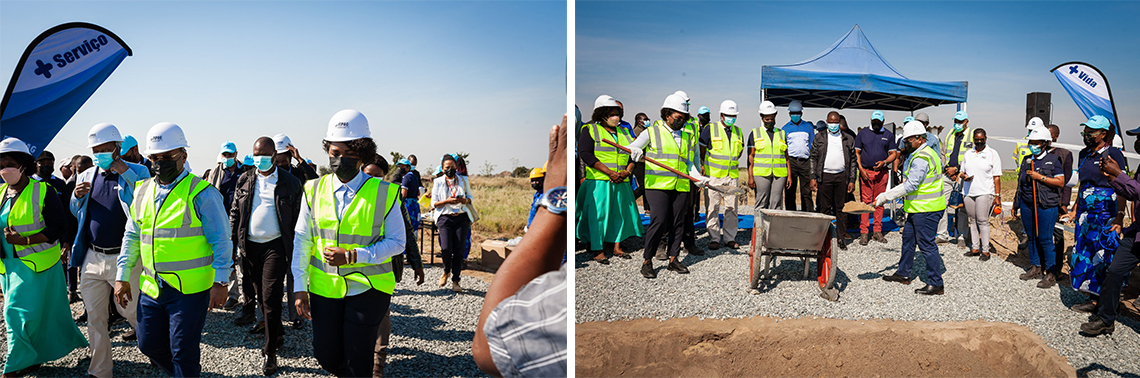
<point x="851" y="74"/>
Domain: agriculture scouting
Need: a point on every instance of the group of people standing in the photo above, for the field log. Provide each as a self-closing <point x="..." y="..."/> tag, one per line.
<point x="161" y="246"/>
<point x="949" y="187"/>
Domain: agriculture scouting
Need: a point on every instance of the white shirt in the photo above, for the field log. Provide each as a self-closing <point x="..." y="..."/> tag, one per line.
<point x="983" y="167"/>
<point x="441" y="190"/>
<point x="833" y="163"/>
<point x="263" y="224"/>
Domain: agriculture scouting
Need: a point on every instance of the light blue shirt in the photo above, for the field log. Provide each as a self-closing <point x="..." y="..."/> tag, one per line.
<point x="304" y="242"/>
<point x="799" y="138"/>
<point x="215" y="224"/>
<point x="127" y="180"/>
<point x="915" y="173"/>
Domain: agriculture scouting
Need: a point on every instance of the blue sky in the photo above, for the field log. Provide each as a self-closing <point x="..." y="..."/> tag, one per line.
<point x="640" y="52"/>
<point x="487" y="78"/>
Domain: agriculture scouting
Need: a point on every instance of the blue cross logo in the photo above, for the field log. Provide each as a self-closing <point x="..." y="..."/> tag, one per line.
<point x="43" y="69"/>
<point x="1072" y="70"/>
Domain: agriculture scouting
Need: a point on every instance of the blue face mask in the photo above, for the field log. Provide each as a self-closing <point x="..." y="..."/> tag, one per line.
<point x="104" y="159"/>
<point x="957" y="127"/>
<point x="833" y="127"/>
<point x="795" y="118"/>
<point x="263" y="163"/>
<point x="1035" y="150"/>
<point x="229" y="162"/>
<point x="413" y="167"/>
<point x="730" y="121"/>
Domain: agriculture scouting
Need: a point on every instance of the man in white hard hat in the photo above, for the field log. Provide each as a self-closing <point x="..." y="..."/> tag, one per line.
<point x="721" y="145"/>
<point x="346" y="236"/>
<point x="180" y="233"/>
<point x="224" y="176"/>
<point x="800" y="135"/>
<point x="924" y="204"/>
<point x="768" y="160"/>
<point x="101" y="202"/>
<point x="669" y="142"/>
<point x="286" y="154"/>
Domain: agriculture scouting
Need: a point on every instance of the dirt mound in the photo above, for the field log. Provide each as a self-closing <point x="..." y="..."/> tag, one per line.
<point x="763" y="347"/>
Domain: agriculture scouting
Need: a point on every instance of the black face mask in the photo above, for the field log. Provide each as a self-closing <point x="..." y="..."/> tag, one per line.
<point x="537" y="186"/>
<point x="168" y="170"/>
<point x="344" y="167"/>
<point x="45" y="172"/>
<point x="769" y="124"/>
<point x="876" y="125"/>
<point x="676" y="125"/>
<point x="1090" y="141"/>
<point x="979" y="145"/>
<point x="450" y="172"/>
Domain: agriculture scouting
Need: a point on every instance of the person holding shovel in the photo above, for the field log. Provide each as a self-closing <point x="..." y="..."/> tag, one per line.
<point x="1039" y="194"/>
<point x="672" y="145"/>
<point x="606" y="210"/>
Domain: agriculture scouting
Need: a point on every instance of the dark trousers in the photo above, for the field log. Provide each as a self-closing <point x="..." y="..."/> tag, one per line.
<point x="639" y="175"/>
<point x="920" y="229"/>
<point x="345" y="329"/>
<point x="170" y="329"/>
<point x="799" y="175"/>
<point x="832" y="189"/>
<point x="668" y="218"/>
<point x="263" y="269"/>
<point x="1058" y="245"/>
<point x="73" y="279"/>
<point x="453" y="231"/>
<point x="1126" y="258"/>
<point x="692" y="212"/>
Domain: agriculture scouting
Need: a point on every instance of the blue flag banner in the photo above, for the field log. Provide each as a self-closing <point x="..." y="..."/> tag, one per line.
<point x="57" y="74"/>
<point x="1089" y="89"/>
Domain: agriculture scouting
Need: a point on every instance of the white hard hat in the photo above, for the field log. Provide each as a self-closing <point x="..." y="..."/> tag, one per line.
<point x="1116" y="143"/>
<point x="767" y="108"/>
<point x="347" y="125"/>
<point x="795" y="106"/>
<point x="1035" y="123"/>
<point x="1040" y="133"/>
<point x="677" y="103"/>
<point x="728" y="107"/>
<point x="683" y="95"/>
<point x="281" y="143"/>
<point x="913" y="128"/>
<point x="164" y="137"/>
<point x="11" y="144"/>
<point x="103" y="133"/>
<point x="604" y="100"/>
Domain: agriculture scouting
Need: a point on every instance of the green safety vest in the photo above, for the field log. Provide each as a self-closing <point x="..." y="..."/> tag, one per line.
<point x="25" y="217"/>
<point x="173" y="243"/>
<point x="770" y="154"/>
<point x="948" y="144"/>
<point x="663" y="149"/>
<point x="928" y="197"/>
<point x="724" y="152"/>
<point x="1019" y="154"/>
<point x="362" y="225"/>
<point x="606" y="153"/>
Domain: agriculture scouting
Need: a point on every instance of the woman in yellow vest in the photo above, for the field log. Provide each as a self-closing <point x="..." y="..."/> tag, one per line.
<point x="768" y="160"/>
<point x="36" y="311"/>
<point x="347" y="232"/>
<point x="668" y="141"/>
<point x="607" y="212"/>
<point x="924" y="205"/>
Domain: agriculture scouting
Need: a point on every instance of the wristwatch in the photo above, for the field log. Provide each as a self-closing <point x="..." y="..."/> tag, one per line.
<point x="554" y="200"/>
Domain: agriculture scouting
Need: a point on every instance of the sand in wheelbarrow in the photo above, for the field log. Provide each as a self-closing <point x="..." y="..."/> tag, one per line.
<point x="765" y="347"/>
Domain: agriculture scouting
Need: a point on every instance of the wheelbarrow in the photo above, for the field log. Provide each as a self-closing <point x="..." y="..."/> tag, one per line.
<point x="804" y="235"/>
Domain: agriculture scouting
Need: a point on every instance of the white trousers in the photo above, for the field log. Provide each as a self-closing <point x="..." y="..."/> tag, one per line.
<point x="719" y="232"/>
<point x="97" y="284"/>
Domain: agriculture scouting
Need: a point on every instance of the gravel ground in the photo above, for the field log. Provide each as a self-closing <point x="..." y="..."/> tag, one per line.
<point x="432" y="328"/>
<point x="717" y="288"/>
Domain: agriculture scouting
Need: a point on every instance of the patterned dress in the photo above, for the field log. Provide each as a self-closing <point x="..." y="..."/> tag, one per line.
<point x="1095" y="241"/>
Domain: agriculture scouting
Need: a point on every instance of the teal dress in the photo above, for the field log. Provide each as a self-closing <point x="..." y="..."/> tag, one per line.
<point x="37" y="316"/>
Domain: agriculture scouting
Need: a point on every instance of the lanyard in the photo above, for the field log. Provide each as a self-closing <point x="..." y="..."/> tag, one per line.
<point x="454" y="191"/>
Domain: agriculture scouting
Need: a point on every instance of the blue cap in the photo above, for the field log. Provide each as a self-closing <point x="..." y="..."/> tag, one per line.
<point x="404" y="162"/>
<point x="248" y="160"/>
<point x="704" y="110"/>
<point x="907" y="119"/>
<point x="128" y="142"/>
<point x="1097" y="122"/>
<point x="961" y="116"/>
<point x="1133" y="132"/>
<point x="229" y="147"/>
<point x="308" y="161"/>
<point x="877" y="115"/>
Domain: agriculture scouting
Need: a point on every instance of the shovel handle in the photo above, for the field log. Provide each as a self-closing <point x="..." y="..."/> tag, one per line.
<point x="651" y="160"/>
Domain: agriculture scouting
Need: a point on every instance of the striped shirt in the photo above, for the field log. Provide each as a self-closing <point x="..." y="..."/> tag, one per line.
<point x="526" y="332"/>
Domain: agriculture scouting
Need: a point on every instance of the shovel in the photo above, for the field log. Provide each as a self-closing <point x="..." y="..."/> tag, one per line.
<point x="726" y="189"/>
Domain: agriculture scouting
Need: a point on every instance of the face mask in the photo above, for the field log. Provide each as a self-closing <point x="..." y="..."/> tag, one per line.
<point x="1090" y="141"/>
<point x="536" y="186"/>
<point x="229" y="162"/>
<point x="263" y="163"/>
<point x="413" y="167"/>
<point x="957" y="127"/>
<point x="796" y="118"/>
<point x="676" y="125"/>
<point x="344" y="166"/>
<point x="450" y="172"/>
<point x="10" y="175"/>
<point x="104" y="159"/>
<point x="769" y="124"/>
<point x="730" y="121"/>
<point x="833" y="127"/>
<point x="168" y="170"/>
<point x="1035" y="150"/>
<point x="876" y="125"/>
<point x="979" y="145"/>
<point x="45" y="172"/>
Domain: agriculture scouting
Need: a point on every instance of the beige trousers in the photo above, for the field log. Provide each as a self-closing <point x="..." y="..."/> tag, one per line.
<point x="97" y="284"/>
<point x="721" y="232"/>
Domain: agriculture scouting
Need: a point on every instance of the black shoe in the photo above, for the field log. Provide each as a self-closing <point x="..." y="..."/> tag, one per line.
<point x="603" y="261"/>
<point x="930" y="290"/>
<point x="257" y="328"/>
<point x="73" y="297"/>
<point x="972" y="253"/>
<point x="985" y="257"/>
<point x="1034" y="272"/>
<point x="1047" y="281"/>
<point x="623" y="255"/>
<point x="1097" y="327"/>
<point x="733" y="245"/>
<point x="270" y="367"/>
<point x="714" y="246"/>
<point x="676" y="266"/>
<point x="230" y="304"/>
<point x="864" y="239"/>
<point x="131" y="335"/>
<point x="897" y="278"/>
<point x="647" y="270"/>
<point x="245" y="319"/>
<point x="296" y="324"/>
<point x="695" y="251"/>
<point x="114" y="319"/>
<point x="842" y="244"/>
<point x="1088" y="307"/>
<point x="82" y="318"/>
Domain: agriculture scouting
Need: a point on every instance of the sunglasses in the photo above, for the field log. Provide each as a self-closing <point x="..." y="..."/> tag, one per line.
<point x="1092" y="133"/>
